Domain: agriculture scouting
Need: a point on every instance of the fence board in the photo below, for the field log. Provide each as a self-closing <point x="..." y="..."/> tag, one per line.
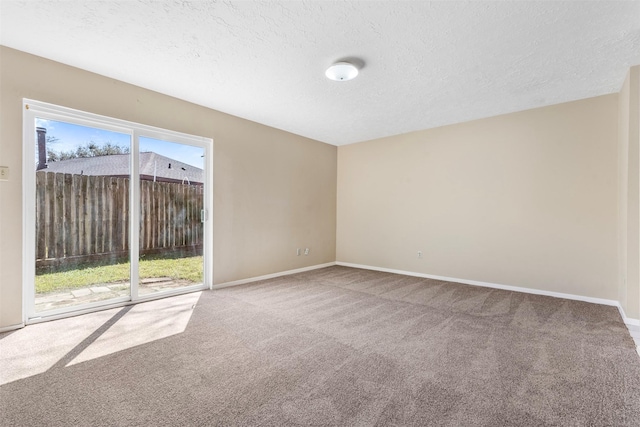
<point x="126" y="213"/>
<point x="67" y="226"/>
<point x="163" y="215"/>
<point x="76" y="214"/>
<point x="41" y="218"/>
<point x="111" y="242"/>
<point x="119" y="215"/>
<point x="143" y="214"/>
<point x="50" y="202"/>
<point x="100" y="217"/>
<point x="180" y="214"/>
<point x="171" y="216"/>
<point x="59" y="214"/>
<point x="155" y="216"/>
<point x="91" y="211"/>
<point x="85" y="224"/>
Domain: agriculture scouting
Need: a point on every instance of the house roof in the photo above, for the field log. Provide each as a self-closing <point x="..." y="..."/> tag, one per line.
<point x="151" y="165"/>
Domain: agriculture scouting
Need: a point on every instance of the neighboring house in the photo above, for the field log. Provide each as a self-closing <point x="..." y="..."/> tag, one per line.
<point x="153" y="167"/>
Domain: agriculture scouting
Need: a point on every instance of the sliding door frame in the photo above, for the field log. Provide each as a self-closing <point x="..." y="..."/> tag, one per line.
<point x="36" y="109"/>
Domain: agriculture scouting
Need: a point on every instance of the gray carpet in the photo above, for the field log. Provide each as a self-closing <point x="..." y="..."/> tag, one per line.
<point x="349" y="347"/>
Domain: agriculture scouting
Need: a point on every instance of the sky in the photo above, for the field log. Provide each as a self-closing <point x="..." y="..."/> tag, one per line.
<point x="69" y="136"/>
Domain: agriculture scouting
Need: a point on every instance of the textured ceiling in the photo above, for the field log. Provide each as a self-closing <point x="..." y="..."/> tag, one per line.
<point x="426" y="64"/>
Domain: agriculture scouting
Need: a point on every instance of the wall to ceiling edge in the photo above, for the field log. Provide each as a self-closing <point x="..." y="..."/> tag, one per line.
<point x="527" y="199"/>
<point x="273" y="191"/>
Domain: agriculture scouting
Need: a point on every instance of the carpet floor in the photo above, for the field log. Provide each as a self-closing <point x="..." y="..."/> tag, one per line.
<point x="348" y="347"/>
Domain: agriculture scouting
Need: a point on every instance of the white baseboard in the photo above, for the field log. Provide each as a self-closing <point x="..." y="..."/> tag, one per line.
<point x="488" y="285"/>
<point x="633" y="325"/>
<point x="635" y="332"/>
<point x="628" y="321"/>
<point x="11" y="327"/>
<point x="271" y="276"/>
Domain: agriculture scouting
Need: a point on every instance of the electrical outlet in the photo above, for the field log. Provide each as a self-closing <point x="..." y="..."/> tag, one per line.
<point x="306" y="251"/>
<point x="4" y="173"/>
<point x="420" y="254"/>
<point x="298" y="252"/>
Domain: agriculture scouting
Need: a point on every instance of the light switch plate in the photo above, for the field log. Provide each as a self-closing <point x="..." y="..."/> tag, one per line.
<point x="4" y="173"/>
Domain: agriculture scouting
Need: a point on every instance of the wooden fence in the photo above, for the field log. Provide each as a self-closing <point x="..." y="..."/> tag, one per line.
<point x="82" y="218"/>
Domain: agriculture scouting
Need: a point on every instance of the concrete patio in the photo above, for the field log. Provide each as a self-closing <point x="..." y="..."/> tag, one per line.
<point x="103" y="291"/>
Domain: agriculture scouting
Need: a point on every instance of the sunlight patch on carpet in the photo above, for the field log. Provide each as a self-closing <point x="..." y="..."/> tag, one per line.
<point x="43" y="346"/>
<point x="144" y="323"/>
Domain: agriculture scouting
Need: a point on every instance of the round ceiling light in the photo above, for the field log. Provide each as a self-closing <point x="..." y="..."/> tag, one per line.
<point x="342" y="71"/>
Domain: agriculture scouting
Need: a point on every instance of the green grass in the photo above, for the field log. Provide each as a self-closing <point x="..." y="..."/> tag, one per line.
<point x="177" y="268"/>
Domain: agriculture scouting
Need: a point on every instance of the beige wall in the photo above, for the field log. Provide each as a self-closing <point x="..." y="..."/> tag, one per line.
<point x="629" y="194"/>
<point x="526" y="199"/>
<point x="273" y="191"/>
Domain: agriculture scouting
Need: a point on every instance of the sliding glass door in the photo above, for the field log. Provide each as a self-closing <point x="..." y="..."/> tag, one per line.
<point x="82" y="176"/>
<point x="116" y="212"/>
<point x="172" y="178"/>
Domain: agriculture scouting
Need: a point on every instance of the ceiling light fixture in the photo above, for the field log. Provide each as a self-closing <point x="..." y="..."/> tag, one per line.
<point x="341" y="71"/>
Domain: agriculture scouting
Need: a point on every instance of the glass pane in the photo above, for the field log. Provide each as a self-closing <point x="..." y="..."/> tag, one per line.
<point x="171" y="202"/>
<point x="82" y="205"/>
